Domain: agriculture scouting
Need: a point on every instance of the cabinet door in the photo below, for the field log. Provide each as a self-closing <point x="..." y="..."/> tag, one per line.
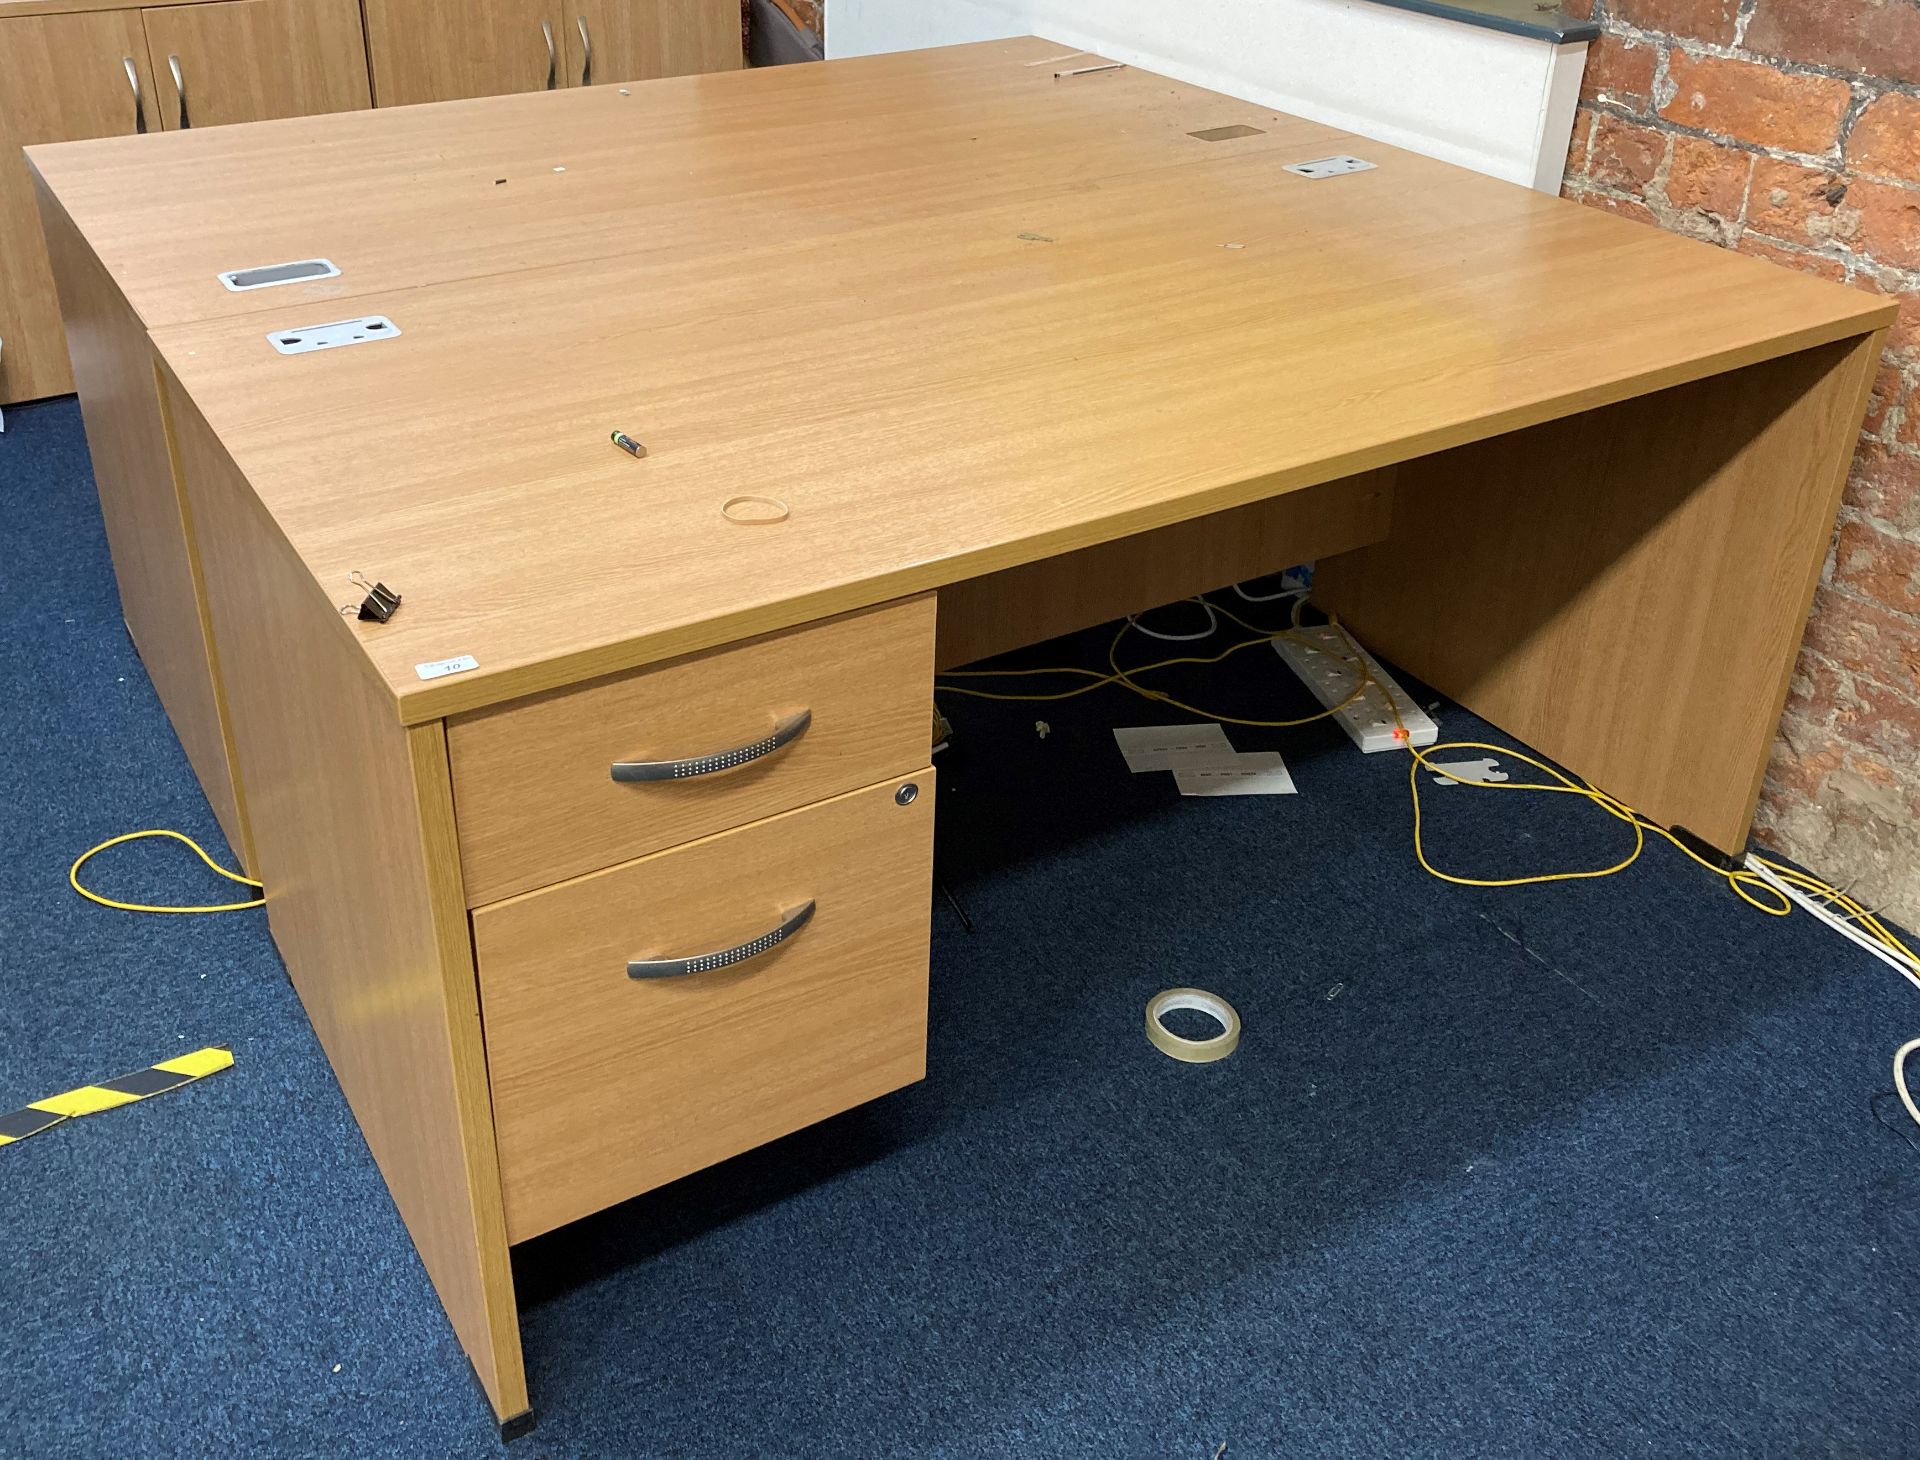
<point x="438" y="50"/>
<point x="250" y="60"/>
<point x="636" y="40"/>
<point x="62" y="77"/>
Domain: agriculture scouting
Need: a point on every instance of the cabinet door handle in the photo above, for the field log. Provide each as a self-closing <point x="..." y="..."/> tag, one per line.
<point x="553" y="61"/>
<point x="179" y="90"/>
<point x="792" y="923"/>
<point x="784" y="734"/>
<point x="586" y="51"/>
<point x="139" y="107"/>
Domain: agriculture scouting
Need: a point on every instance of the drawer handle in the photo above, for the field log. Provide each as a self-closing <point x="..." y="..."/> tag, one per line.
<point x="707" y="962"/>
<point x="553" y="59"/>
<point x="784" y="734"/>
<point x="179" y="91"/>
<point x="139" y="107"/>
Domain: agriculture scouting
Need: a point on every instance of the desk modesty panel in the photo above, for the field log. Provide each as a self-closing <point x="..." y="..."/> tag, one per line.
<point x="1016" y="353"/>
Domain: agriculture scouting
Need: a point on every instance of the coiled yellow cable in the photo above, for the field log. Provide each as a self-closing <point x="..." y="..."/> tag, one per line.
<point x="73" y="877"/>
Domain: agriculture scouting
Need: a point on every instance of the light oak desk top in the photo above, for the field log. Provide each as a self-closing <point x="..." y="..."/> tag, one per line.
<point x="1019" y="353"/>
<point x="419" y="195"/>
<point x="814" y="285"/>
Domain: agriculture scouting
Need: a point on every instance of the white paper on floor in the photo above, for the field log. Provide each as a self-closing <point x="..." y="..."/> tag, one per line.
<point x="1203" y="761"/>
<point x="1256" y="773"/>
<point x="1478" y="771"/>
<point x="1168" y="747"/>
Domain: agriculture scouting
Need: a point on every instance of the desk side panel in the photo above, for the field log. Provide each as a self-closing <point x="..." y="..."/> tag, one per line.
<point x="352" y="816"/>
<point x="1625" y="590"/>
<point x="149" y="529"/>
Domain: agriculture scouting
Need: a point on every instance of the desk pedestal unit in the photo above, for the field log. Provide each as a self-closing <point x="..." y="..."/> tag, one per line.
<point x="647" y="882"/>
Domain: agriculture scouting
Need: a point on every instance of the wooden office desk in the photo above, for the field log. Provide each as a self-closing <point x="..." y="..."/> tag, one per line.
<point x="1020" y="345"/>
<point x="471" y="190"/>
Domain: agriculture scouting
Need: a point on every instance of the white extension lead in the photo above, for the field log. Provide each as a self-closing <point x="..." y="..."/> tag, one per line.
<point x="1853" y="934"/>
<point x="1833" y="920"/>
<point x="1900" y="1077"/>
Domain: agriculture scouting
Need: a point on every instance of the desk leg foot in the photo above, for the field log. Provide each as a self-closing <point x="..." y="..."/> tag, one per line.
<point x="513" y="1427"/>
<point x="1707" y="851"/>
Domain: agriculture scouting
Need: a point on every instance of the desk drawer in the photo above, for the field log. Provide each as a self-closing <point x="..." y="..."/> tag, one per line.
<point x="532" y="781"/>
<point x="606" y="1085"/>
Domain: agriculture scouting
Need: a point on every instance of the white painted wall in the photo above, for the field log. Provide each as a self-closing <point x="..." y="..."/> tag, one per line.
<point x="1500" y="104"/>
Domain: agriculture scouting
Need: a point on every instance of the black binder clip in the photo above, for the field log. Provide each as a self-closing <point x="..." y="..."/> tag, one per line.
<point x="380" y="604"/>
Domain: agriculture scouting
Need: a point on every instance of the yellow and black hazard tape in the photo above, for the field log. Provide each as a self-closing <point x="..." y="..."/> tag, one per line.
<point x="171" y="1074"/>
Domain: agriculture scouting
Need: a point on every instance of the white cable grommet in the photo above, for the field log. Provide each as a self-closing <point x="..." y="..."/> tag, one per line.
<point x="1193" y="1051"/>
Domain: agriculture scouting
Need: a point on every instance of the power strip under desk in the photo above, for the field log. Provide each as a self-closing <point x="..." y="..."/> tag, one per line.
<point x="1320" y="657"/>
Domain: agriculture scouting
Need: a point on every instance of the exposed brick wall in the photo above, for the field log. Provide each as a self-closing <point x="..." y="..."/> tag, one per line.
<point x="1790" y="129"/>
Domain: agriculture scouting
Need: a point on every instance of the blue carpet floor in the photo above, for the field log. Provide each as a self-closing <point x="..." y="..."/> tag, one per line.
<point x="1598" y="1169"/>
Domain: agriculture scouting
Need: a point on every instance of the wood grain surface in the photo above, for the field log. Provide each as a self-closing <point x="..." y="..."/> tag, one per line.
<point x="538" y="802"/>
<point x="1625" y="590"/>
<point x="352" y="816"/>
<point x="438" y="50"/>
<point x="510" y="182"/>
<point x="253" y="60"/>
<point x="978" y="399"/>
<point x="149" y="531"/>
<point x="61" y="76"/>
<point x="1017" y="606"/>
<point x="605" y="1086"/>
<point x="640" y="40"/>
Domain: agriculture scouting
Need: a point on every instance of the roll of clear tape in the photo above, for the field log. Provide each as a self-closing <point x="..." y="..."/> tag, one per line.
<point x="1193" y="1051"/>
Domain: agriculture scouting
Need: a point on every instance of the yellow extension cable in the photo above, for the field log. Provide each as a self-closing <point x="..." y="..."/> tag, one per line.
<point x="73" y="877"/>
<point x="1744" y="882"/>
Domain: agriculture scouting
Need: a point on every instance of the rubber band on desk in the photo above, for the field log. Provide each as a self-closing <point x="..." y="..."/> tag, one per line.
<point x="733" y="508"/>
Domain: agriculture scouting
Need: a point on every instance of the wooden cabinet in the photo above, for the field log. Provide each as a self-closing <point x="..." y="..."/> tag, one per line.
<point x="62" y="77"/>
<point x="109" y="72"/>
<point x="806" y="994"/>
<point x="637" y="40"/>
<point x="539" y="802"/>
<point x="440" y="50"/>
<point x="251" y="60"/>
